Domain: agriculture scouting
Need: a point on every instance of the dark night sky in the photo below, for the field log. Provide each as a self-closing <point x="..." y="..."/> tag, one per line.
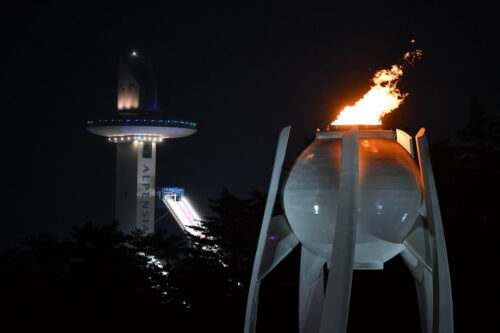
<point x="241" y="73"/>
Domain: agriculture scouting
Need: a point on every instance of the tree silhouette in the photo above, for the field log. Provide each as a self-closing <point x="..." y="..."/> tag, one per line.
<point x="466" y="179"/>
<point x="97" y="274"/>
<point x="219" y="265"/>
<point x="479" y="150"/>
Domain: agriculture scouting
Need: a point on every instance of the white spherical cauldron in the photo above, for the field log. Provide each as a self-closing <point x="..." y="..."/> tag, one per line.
<point x="389" y="200"/>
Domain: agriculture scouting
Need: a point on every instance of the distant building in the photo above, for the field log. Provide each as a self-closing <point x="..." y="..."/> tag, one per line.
<point x="136" y="127"/>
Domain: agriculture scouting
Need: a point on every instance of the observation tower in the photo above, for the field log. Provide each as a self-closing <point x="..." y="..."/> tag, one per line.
<point x="136" y="127"/>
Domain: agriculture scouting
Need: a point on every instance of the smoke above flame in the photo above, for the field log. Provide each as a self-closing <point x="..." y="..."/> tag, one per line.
<point x="382" y="98"/>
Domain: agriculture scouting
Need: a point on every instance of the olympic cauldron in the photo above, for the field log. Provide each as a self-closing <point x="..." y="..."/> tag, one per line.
<point x="355" y="198"/>
<point x="389" y="199"/>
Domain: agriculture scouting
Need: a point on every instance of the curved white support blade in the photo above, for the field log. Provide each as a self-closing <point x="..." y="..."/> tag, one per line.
<point x="406" y="141"/>
<point x="338" y="288"/>
<point x="280" y="241"/>
<point x="420" y="243"/>
<point x="442" y="298"/>
<point x="423" y="282"/>
<point x="253" y="292"/>
<point x="311" y="291"/>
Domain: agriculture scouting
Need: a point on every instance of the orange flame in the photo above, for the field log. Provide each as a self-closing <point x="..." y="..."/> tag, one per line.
<point x="382" y="98"/>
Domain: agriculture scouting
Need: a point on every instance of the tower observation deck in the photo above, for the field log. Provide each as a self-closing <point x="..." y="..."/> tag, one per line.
<point x="137" y="126"/>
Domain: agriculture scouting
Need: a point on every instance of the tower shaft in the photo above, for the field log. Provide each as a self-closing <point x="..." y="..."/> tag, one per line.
<point x="135" y="186"/>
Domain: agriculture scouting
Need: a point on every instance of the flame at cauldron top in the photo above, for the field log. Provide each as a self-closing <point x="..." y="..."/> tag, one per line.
<point x="382" y="98"/>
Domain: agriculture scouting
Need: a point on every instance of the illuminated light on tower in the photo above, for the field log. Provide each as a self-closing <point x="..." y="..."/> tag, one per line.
<point x="136" y="128"/>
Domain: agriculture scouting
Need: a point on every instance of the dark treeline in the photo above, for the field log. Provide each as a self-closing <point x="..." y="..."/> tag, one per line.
<point x="467" y="177"/>
<point x="98" y="275"/>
